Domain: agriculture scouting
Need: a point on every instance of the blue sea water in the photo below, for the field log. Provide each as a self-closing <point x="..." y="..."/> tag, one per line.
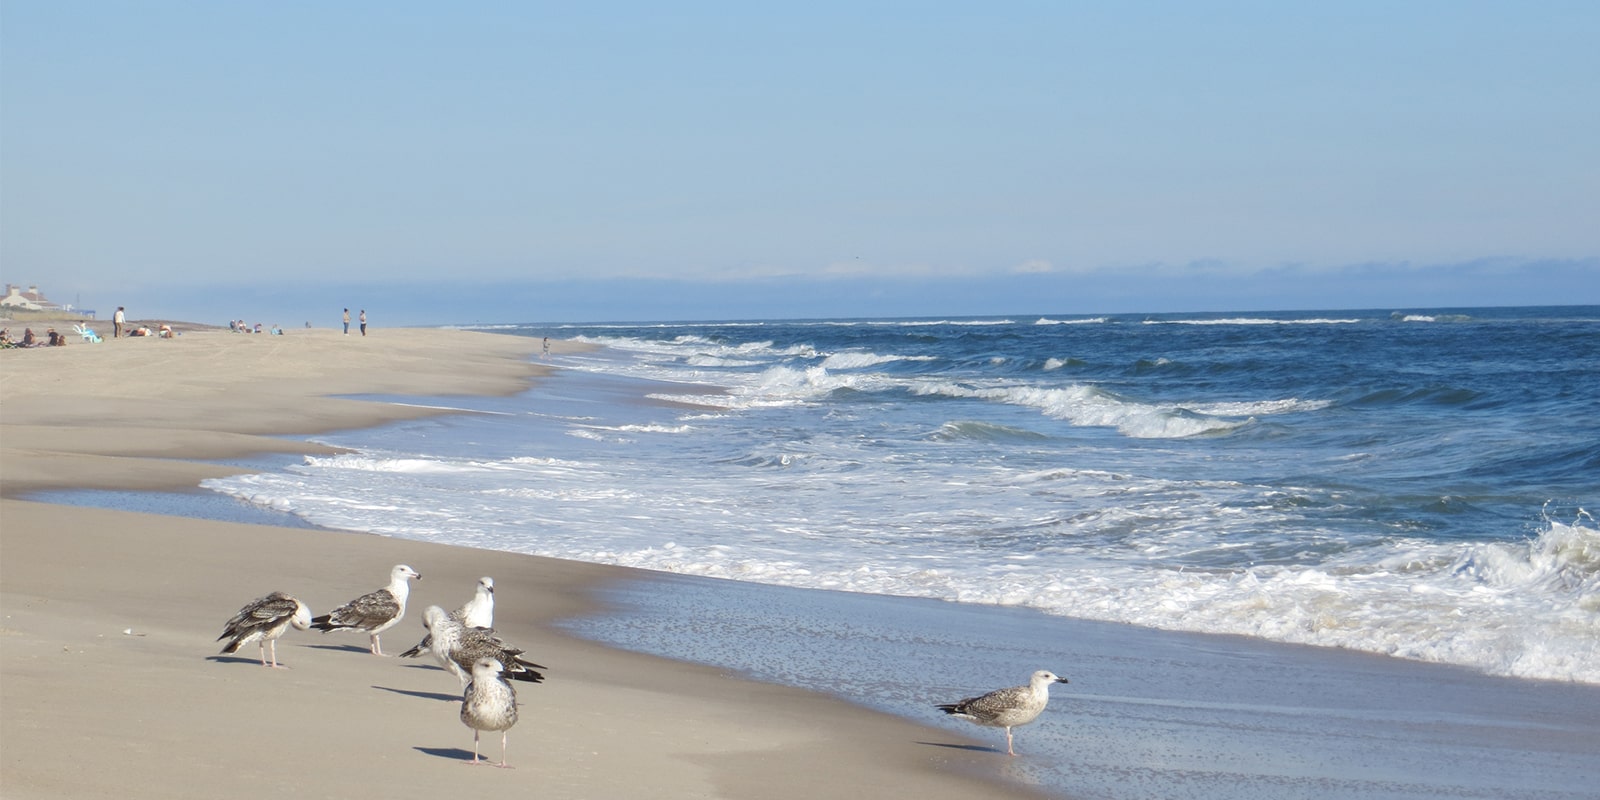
<point x="1416" y="484"/>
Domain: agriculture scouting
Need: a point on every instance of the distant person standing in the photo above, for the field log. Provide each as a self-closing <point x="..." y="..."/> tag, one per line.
<point x="117" y="321"/>
<point x="363" y="322"/>
<point x="347" y="322"/>
<point x="547" y="348"/>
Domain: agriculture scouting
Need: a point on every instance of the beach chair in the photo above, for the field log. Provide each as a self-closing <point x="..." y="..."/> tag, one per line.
<point x="87" y="333"/>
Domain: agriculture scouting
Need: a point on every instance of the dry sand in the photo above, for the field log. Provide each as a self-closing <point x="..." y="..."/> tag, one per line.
<point x="110" y="681"/>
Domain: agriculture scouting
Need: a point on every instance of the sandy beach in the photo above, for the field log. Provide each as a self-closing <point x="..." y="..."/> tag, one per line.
<point x="110" y="678"/>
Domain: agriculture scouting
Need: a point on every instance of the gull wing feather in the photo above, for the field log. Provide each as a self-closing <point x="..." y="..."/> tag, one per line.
<point x="365" y="612"/>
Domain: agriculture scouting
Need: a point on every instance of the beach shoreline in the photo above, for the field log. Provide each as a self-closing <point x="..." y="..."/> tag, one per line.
<point x="109" y="614"/>
<point x="111" y="679"/>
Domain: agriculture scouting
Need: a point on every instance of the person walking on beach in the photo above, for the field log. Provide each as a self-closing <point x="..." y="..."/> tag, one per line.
<point x="363" y="322"/>
<point x="547" y="348"/>
<point x="117" y="321"/>
<point x="347" y="322"/>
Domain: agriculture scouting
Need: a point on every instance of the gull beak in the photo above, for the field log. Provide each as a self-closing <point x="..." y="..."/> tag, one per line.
<point x="1061" y="680"/>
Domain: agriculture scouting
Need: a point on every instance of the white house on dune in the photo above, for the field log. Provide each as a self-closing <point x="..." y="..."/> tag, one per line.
<point x="30" y="300"/>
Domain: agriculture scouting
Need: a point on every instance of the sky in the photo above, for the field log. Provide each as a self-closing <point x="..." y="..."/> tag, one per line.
<point x="609" y="161"/>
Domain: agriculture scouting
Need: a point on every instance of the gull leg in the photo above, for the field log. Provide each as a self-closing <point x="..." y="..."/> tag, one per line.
<point x="1009" y="751"/>
<point x="475" y="759"/>
<point x="377" y="649"/>
<point x="275" y="664"/>
<point x="503" y="764"/>
<point x="262" y="647"/>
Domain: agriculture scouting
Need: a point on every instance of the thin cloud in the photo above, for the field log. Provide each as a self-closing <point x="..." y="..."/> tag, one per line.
<point x="1035" y="266"/>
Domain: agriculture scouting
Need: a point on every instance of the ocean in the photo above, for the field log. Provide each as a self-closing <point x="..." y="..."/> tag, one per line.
<point x="1413" y="484"/>
<point x="1417" y="484"/>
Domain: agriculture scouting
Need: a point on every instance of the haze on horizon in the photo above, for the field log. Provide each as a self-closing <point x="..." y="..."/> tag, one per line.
<point x="528" y="162"/>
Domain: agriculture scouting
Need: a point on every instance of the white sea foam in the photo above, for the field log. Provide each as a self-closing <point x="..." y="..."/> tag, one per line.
<point x="1251" y="321"/>
<point x="653" y="428"/>
<point x="1528" y="609"/>
<point x="543" y="461"/>
<point x="720" y="361"/>
<point x="1090" y="321"/>
<point x="1425" y="613"/>
<point x="935" y="323"/>
<point x="1086" y="405"/>
<point x="858" y="360"/>
<point x="454" y="409"/>
<point x="366" y="463"/>
<point x="1260" y="408"/>
<point x="1079" y="404"/>
<point x="700" y="347"/>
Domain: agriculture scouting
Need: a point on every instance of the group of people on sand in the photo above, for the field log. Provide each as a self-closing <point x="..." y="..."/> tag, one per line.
<point x="119" y="327"/>
<point x="53" y="339"/>
<point x="239" y="326"/>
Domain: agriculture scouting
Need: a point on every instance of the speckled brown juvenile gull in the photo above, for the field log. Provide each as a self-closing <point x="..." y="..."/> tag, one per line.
<point x="488" y="704"/>
<point x="373" y="612"/>
<point x="1007" y="708"/>
<point x="262" y="621"/>
<point x="457" y="648"/>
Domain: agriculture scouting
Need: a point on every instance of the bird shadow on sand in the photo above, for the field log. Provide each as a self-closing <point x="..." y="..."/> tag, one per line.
<point x="456" y="698"/>
<point x="452" y="753"/>
<point x="971" y="748"/>
<point x="235" y="660"/>
<point x="346" y="648"/>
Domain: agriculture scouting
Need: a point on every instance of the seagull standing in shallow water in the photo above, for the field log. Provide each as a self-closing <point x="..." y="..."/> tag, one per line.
<point x="262" y="621"/>
<point x="373" y="612"/>
<point x="489" y="704"/>
<point x="1007" y="708"/>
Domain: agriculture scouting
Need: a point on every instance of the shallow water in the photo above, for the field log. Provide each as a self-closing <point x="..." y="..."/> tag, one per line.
<point x="1146" y="713"/>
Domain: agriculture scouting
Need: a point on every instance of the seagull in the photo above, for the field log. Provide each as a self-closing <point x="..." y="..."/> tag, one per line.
<point x="476" y="613"/>
<point x="262" y="621"/>
<point x="458" y="648"/>
<point x="373" y="612"/>
<point x="1007" y="708"/>
<point x="488" y="704"/>
<point x="479" y="611"/>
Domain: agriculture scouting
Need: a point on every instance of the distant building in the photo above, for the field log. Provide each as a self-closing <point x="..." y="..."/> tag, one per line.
<point x="30" y="300"/>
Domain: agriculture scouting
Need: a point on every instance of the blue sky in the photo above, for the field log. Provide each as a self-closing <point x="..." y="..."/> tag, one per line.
<point x="621" y="161"/>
